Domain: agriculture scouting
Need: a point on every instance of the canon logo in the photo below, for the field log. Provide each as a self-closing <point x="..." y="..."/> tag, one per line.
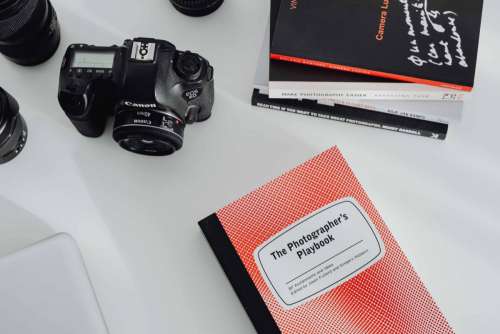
<point x="140" y="105"/>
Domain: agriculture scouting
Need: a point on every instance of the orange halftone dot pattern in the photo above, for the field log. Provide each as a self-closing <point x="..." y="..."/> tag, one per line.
<point x="387" y="298"/>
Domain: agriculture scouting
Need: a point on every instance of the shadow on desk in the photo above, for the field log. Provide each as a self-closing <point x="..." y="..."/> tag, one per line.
<point x="19" y="228"/>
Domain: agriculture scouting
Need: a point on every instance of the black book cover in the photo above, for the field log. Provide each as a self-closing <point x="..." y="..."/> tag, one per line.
<point x="293" y="80"/>
<point x="287" y="71"/>
<point x="422" y="41"/>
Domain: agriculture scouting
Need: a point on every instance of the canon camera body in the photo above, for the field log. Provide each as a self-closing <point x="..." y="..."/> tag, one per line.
<point x="152" y="90"/>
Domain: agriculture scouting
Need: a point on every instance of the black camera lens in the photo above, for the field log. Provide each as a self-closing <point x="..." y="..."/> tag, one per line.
<point x="197" y="7"/>
<point x="13" y="130"/>
<point x="29" y="31"/>
<point x="149" y="132"/>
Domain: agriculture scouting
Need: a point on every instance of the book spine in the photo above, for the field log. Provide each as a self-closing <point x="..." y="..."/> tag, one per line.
<point x="238" y="276"/>
<point x="353" y="115"/>
<point x="312" y="94"/>
<point x="391" y="111"/>
<point x="374" y="73"/>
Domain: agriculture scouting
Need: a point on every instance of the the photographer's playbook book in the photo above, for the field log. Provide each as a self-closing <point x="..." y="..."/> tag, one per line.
<point x="432" y="42"/>
<point x="309" y="253"/>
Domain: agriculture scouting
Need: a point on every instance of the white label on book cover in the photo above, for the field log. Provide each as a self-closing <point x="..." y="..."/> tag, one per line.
<point x="319" y="252"/>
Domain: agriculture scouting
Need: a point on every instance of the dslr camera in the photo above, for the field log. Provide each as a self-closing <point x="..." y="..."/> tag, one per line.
<point x="152" y="90"/>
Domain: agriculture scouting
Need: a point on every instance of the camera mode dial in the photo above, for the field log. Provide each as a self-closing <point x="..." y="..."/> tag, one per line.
<point x="189" y="66"/>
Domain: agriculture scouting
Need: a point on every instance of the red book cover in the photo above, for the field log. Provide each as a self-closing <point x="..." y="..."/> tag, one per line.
<point x="309" y="253"/>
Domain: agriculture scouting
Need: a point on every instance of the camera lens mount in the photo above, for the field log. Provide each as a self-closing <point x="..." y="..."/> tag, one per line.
<point x="148" y="132"/>
<point x="13" y="129"/>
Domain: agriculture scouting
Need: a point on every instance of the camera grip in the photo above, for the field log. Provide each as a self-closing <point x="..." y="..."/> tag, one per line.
<point x="85" y="111"/>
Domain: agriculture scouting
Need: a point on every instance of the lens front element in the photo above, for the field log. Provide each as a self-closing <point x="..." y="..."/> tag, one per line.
<point x="149" y="132"/>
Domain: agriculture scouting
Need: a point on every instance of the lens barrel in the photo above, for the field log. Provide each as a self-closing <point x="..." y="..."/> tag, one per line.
<point x="13" y="130"/>
<point x="148" y="132"/>
<point x="29" y="31"/>
<point x="197" y="7"/>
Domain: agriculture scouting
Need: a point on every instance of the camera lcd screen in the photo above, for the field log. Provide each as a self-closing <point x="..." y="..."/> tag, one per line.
<point x="93" y="59"/>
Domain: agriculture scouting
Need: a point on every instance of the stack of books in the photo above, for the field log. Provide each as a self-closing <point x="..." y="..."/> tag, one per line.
<point x="400" y="65"/>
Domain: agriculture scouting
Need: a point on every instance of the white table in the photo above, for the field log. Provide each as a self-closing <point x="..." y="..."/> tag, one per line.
<point x="135" y="217"/>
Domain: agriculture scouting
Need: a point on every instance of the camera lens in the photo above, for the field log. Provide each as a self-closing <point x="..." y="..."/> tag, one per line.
<point x="197" y="7"/>
<point x="13" y="130"/>
<point x="29" y="31"/>
<point x="149" y="132"/>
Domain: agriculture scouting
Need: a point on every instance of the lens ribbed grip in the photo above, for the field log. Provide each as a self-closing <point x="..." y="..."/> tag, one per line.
<point x="14" y="14"/>
<point x="197" y="7"/>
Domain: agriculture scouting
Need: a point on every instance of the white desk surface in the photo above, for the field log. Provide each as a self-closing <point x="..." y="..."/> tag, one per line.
<point x="135" y="217"/>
